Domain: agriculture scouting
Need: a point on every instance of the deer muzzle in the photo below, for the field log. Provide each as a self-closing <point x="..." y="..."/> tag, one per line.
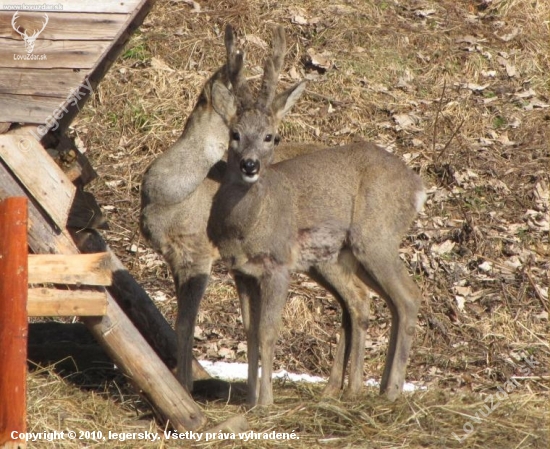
<point x="250" y="170"/>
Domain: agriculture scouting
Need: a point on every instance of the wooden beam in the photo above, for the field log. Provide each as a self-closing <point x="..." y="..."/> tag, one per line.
<point x="135" y="19"/>
<point x="27" y="108"/>
<point x="82" y="6"/>
<point x="85" y="269"/>
<point x="57" y="83"/>
<point x="58" y="54"/>
<point x="128" y="349"/>
<point x="44" y="180"/>
<point x="13" y="320"/>
<point x="63" y="25"/>
<point x="56" y="302"/>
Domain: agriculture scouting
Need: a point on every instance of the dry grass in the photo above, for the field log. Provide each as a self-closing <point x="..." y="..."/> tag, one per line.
<point x="448" y="86"/>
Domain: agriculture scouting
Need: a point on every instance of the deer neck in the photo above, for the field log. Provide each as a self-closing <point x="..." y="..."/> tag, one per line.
<point x="178" y="172"/>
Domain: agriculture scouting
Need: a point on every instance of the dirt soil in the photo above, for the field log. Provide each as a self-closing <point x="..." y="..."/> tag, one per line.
<point x="461" y="92"/>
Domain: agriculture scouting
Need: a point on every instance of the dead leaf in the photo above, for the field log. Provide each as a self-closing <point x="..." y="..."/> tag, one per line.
<point x="508" y="37"/>
<point x="489" y="73"/>
<point x="293" y="73"/>
<point x="321" y="60"/>
<point x="193" y="3"/>
<point x="474" y="87"/>
<point x="299" y="20"/>
<point x="443" y="248"/>
<point x="424" y="12"/>
<point x="405" y="121"/>
<point x="486" y="266"/>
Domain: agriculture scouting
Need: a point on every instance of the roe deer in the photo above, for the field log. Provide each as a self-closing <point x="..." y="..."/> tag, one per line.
<point x="345" y="208"/>
<point x="177" y="193"/>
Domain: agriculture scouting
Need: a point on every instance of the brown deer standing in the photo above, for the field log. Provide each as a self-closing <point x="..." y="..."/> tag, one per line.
<point x="177" y="193"/>
<point x="344" y="208"/>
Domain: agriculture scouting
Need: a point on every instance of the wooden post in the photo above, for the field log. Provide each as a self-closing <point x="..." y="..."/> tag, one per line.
<point x="13" y="320"/>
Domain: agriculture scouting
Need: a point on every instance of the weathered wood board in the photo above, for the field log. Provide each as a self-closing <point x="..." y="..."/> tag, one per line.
<point x="85" y="269"/>
<point x="57" y="83"/>
<point x="82" y="6"/>
<point x="43" y="179"/>
<point x="57" y="302"/>
<point x="71" y="54"/>
<point x="61" y="25"/>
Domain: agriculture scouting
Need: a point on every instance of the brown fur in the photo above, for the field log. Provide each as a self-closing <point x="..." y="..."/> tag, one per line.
<point x="339" y="213"/>
<point x="177" y="193"/>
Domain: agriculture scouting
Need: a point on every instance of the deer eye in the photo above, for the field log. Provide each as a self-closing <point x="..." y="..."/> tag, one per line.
<point x="277" y="139"/>
<point x="235" y="136"/>
<point x="268" y="138"/>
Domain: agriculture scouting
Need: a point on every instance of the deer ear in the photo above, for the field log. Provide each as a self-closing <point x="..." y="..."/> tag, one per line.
<point x="285" y="100"/>
<point x="223" y="102"/>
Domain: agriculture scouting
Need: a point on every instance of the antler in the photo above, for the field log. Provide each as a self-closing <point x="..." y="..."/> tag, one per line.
<point x="14" y="18"/>
<point x="235" y="62"/>
<point x="43" y="26"/>
<point x="272" y="68"/>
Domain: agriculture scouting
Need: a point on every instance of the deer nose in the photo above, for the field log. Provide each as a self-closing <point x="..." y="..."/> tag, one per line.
<point x="250" y="167"/>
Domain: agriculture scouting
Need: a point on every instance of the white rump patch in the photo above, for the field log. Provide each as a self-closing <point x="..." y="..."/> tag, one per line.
<point x="420" y="199"/>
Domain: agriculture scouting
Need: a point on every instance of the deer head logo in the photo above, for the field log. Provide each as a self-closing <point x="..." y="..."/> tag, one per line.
<point x="29" y="40"/>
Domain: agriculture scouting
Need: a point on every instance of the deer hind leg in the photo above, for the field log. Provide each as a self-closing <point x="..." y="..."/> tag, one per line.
<point x="340" y="280"/>
<point x="387" y="276"/>
<point x="191" y="273"/>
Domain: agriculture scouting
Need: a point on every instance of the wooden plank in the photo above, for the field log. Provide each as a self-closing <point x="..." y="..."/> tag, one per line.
<point x="62" y="26"/>
<point x="57" y="83"/>
<point x="27" y="109"/>
<point x="41" y="235"/>
<point x="85" y="269"/>
<point x="13" y="320"/>
<point x="56" y="302"/>
<point x="50" y="54"/>
<point x="36" y="170"/>
<point x="87" y="6"/>
<point x="104" y="63"/>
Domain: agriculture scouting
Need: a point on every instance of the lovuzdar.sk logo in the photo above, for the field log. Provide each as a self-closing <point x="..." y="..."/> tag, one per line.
<point x="29" y="40"/>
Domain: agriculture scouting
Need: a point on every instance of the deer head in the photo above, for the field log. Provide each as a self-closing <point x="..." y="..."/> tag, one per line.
<point x="29" y="40"/>
<point x="253" y="125"/>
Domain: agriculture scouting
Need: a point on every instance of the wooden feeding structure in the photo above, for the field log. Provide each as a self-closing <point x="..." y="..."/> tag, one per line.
<point x="43" y="85"/>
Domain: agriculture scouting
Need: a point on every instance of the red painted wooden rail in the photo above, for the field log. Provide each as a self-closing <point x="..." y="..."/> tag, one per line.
<point x="13" y="320"/>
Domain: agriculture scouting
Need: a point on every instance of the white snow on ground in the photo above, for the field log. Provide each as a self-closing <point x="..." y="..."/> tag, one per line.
<point x="239" y="371"/>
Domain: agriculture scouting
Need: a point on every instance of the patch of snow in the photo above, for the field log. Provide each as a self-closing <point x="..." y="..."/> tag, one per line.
<point x="239" y="371"/>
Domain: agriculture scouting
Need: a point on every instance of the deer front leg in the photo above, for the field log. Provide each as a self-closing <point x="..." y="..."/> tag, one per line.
<point x="273" y="290"/>
<point x="249" y="297"/>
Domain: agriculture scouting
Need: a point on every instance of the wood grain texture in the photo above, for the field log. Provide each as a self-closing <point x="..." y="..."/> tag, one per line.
<point x="86" y="6"/>
<point x="58" y="54"/>
<point x="43" y="179"/>
<point x="26" y="108"/>
<point x="84" y="269"/>
<point x="57" y="302"/>
<point x="58" y="83"/>
<point x="13" y="318"/>
<point x="62" y="25"/>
